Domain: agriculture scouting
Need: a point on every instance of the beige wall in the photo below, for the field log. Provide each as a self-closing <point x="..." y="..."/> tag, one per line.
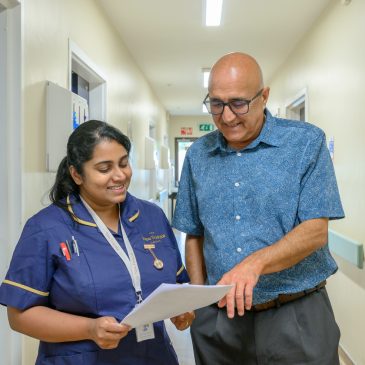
<point x="330" y="64"/>
<point x="48" y="26"/>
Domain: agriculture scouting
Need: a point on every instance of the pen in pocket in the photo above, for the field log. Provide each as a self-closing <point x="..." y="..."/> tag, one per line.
<point x="69" y="248"/>
<point x="65" y="251"/>
<point x="75" y="246"/>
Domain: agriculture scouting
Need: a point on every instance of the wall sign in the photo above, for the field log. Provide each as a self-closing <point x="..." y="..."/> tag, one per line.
<point x="186" y="131"/>
<point x="206" y="127"/>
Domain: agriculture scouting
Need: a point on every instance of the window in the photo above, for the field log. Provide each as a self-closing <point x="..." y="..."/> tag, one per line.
<point x="80" y="86"/>
<point x="87" y="81"/>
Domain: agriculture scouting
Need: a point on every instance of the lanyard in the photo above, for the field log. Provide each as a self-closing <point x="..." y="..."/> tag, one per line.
<point x="131" y="261"/>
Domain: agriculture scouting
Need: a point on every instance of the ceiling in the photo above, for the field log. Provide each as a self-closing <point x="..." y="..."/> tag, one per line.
<point x="170" y="44"/>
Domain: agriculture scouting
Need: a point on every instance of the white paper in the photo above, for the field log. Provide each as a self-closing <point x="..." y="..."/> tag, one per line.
<point x="170" y="300"/>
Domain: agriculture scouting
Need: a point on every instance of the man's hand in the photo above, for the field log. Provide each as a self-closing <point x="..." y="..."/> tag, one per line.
<point x="183" y="321"/>
<point x="244" y="277"/>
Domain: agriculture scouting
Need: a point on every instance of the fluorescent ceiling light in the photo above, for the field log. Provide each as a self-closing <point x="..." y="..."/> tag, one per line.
<point x="205" y="110"/>
<point x="206" y="74"/>
<point x="213" y="12"/>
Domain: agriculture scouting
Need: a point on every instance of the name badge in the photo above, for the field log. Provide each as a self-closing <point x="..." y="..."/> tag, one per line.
<point x="145" y="332"/>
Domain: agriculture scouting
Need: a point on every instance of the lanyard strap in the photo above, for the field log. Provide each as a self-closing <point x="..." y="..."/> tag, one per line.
<point x="130" y="261"/>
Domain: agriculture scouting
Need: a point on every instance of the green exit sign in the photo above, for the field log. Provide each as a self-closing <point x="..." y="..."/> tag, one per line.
<point x="206" y="127"/>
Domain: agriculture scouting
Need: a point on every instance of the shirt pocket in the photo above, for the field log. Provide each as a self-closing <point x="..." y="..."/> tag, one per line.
<point x="73" y="288"/>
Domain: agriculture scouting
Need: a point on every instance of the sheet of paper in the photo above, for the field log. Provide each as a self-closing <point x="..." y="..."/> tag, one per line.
<point x="170" y="300"/>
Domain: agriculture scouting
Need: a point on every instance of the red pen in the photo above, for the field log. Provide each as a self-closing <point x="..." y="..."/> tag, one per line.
<point x="65" y="251"/>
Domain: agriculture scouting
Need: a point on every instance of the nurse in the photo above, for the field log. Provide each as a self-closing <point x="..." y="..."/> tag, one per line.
<point x="85" y="261"/>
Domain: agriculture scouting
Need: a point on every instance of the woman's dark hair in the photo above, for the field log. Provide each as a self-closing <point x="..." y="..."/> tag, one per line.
<point x="80" y="148"/>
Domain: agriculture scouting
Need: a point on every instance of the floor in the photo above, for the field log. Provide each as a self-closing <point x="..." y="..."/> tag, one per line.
<point x="182" y="343"/>
<point x="181" y="339"/>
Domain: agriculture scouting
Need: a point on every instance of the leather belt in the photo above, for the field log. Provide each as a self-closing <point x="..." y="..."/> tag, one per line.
<point x="285" y="298"/>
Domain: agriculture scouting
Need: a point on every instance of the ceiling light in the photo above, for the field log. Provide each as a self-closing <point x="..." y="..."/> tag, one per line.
<point x="213" y="12"/>
<point x="206" y="73"/>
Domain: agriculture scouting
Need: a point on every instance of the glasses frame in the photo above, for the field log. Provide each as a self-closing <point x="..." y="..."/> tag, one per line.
<point x="228" y="103"/>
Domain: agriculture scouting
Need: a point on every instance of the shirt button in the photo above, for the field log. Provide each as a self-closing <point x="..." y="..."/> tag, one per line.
<point x="239" y="249"/>
<point x="236" y="184"/>
<point x="239" y="153"/>
<point x="238" y="217"/>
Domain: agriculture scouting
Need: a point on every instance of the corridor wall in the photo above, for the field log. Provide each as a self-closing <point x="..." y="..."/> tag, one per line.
<point x="329" y="64"/>
<point x="131" y="105"/>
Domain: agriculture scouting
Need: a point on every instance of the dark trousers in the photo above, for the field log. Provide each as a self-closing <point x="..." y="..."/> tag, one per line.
<point x="300" y="332"/>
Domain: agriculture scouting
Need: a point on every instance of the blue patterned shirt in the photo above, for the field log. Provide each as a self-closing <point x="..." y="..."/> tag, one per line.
<point x="243" y="201"/>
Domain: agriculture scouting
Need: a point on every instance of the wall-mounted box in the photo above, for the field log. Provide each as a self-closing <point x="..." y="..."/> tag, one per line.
<point x="65" y="111"/>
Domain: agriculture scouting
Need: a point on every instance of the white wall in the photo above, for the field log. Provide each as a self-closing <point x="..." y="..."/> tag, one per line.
<point x="330" y="63"/>
<point x="10" y="160"/>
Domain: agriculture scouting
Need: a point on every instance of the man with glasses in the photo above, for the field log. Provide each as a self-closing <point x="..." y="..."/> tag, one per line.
<point x="255" y="197"/>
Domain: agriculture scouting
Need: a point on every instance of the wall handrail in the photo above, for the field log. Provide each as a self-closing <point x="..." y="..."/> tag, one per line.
<point x="350" y="250"/>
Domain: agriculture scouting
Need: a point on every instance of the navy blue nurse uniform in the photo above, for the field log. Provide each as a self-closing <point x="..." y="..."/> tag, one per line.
<point x="96" y="282"/>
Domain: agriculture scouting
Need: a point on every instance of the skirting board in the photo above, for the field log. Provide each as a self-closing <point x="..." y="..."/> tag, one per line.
<point x="344" y="357"/>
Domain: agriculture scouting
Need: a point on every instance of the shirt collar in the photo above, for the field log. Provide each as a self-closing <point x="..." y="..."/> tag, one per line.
<point x="79" y="213"/>
<point x="267" y="135"/>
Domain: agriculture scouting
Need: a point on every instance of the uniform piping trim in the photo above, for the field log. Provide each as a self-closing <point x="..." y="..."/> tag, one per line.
<point x="90" y="224"/>
<point x="25" y="287"/>
<point x="75" y="218"/>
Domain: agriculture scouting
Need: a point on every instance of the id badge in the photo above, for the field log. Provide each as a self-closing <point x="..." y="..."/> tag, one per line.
<point x="145" y="332"/>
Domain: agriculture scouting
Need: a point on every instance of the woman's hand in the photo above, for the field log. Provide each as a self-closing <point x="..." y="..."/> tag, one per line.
<point x="53" y="326"/>
<point x="183" y="321"/>
<point x="106" y="332"/>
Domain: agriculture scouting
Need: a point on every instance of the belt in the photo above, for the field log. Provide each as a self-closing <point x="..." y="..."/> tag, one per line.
<point x="286" y="298"/>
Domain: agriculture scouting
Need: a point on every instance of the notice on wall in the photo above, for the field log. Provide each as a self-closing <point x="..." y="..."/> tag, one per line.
<point x="186" y="131"/>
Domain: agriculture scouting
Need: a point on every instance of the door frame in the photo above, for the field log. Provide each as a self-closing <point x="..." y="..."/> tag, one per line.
<point x="177" y="140"/>
<point x="294" y="104"/>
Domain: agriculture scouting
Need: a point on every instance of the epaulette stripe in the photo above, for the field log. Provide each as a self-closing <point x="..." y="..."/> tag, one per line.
<point x="134" y="217"/>
<point x="181" y="270"/>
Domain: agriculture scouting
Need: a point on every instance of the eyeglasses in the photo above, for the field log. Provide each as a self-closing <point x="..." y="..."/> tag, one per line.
<point x="237" y="106"/>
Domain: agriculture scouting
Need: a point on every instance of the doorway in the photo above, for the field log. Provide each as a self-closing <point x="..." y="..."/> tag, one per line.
<point x="297" y="107"/>
<point x="181" y="147"/>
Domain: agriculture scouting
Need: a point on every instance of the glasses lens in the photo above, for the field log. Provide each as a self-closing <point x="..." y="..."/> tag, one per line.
<point x="216" y="107"/>
<point x="239" y="106"/>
